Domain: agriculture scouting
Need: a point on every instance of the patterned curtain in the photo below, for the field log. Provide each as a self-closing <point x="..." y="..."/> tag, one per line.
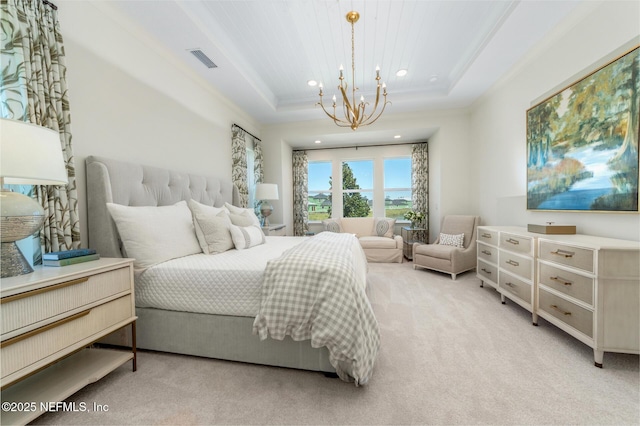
<point x="300" y="193"/>
<point x="420" y="180"/>
<point x="240" y="142"/>
<point x="239" y="165"/>
<point x="34" y="89"/>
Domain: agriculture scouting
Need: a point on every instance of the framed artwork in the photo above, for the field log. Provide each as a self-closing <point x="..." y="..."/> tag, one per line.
<point x="582" y="142"/>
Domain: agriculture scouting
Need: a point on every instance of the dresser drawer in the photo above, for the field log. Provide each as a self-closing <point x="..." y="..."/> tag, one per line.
<point x="515" y="286"/>
<point x="571" y="314"/>
<point x="516" y="243"/>
<point x="488" y="236"/>
<point x="518" y="265"/>
<point x="489" y="272"/>
<point x="569" y="283"/>
<point x="28" y="308"/>
<point x="31" y="347"/>
<point x="576" y="257"/>
<point x="488" y="253"/>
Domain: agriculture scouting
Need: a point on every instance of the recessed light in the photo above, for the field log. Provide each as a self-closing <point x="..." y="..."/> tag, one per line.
<point x="401" y="73"/>
<point x="397" y="136"/>
<point x="318" y="141"/>
<point x="312" y="83"/>
<point x="433" y="78"/>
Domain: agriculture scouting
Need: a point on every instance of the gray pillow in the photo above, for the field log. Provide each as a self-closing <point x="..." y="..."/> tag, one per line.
<point x="216" y="237"/>
<point x="383" y="227"/>
<point x="241" y="220"/>
<point x="332" y="225"/>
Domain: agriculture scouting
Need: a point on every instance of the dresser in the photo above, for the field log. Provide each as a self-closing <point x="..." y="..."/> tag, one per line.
<point x="587" y="286"/>
<point x="50" y="318"/>
<point x="590" y="287"/>
<point x="506" y="261"/>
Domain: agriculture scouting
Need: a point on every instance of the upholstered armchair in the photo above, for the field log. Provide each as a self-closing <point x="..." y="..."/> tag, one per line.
<point x="452" y="252"/>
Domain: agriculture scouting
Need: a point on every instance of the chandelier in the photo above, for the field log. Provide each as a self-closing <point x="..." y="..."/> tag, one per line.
<point x="355" y="114"/>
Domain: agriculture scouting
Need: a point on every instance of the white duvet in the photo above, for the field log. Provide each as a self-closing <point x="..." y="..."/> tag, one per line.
<point x="227" y="283"/>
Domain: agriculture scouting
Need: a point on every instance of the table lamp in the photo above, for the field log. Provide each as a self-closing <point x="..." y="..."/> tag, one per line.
<point x="264" y="193"/>
<point x="29" y="155"/>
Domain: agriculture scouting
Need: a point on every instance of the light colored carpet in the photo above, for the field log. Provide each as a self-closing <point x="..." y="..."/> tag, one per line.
<point x="451" y="354"/>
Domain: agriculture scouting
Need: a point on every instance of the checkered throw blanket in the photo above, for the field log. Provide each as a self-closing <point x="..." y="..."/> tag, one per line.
<point x="313" y="292"/>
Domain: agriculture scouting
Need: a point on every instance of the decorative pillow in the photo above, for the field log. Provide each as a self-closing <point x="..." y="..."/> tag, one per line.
<point x="204" y="210"/>
<point x="241" y="219"/>
<point x="245" y="237"/>
<point x="155" y="234"/>
<point x="332" y="225"/>
<point x="216" y="236"/>
<point x="452" y="240"/>
<point x="243" y="212"/>
<point x="383" y="227"/>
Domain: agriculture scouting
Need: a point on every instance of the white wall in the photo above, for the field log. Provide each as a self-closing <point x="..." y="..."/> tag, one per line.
<point x="131" y="101"/>
<point x="498" y="120"/>
<point x="449" y="160"/>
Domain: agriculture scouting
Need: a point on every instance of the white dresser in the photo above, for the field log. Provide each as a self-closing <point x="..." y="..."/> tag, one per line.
<point x="590" y="287"/>
<point x="49" y="319"/>
<point x="506" y="261"/>
<point x="587" y="286"/>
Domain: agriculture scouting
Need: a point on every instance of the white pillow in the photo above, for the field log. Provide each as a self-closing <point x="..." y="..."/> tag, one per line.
<point x="245" y="237"/>
<point x="155" y="234"/>
<point x="216" y="236"/>
<point x="202" y="209"/>
<point x="383" y="227"/>
<point x="452" y="240"/>
<point x="241" y="220"/>
<point x="243" y="212"/>
<point x="332" y="225"/>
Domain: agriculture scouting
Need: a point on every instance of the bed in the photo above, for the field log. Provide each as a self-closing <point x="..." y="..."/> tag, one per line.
<point x="229" y="324"/>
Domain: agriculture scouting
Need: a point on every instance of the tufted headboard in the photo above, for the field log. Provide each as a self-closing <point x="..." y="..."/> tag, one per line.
<point x="113" y="181"/>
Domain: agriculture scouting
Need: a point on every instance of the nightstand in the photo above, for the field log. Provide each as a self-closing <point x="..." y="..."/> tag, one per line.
<point x="275" y="230"/>
<point x="49" y="319"/>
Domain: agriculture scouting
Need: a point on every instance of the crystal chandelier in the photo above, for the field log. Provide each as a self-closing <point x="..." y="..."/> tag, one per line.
<point x="355" y="114"/>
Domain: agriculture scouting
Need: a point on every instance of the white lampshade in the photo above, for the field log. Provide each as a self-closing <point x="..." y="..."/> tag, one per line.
<point x="30" y="154"/>
<point x="267" y="191"/>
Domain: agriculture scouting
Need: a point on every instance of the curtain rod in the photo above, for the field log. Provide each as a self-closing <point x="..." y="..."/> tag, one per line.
<point x="252" y="135"/>
<point x="360" y="146"/>
<point x="48" y="3"/>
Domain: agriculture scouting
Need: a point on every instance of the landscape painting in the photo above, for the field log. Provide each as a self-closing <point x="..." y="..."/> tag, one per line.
<point x="582" y="143"/>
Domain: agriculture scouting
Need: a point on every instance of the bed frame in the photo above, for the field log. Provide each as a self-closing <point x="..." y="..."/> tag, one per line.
<point x="213" y="336"/>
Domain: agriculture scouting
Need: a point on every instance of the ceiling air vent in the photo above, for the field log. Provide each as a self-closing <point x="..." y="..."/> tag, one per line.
<point x="203" y="58"/>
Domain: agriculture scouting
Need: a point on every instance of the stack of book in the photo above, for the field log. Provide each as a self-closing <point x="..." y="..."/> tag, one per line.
<point x="69" y="257"/>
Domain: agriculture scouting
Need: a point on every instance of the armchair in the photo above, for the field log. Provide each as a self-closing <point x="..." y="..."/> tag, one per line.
<point x="448" y="258"/>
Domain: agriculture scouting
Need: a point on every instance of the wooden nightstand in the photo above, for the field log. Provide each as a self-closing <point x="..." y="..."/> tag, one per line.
<point x="277" y="230"/>
<point x="49" y="318"/>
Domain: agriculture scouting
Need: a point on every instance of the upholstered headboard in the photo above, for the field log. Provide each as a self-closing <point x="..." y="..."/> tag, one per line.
<point x="113" y="181"/>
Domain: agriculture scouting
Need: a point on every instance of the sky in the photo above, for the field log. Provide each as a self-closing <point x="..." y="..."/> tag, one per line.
<point x="397" y="174"/>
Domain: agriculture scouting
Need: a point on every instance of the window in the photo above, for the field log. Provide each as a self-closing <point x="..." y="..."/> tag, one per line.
<point x="375" y="182"/>
<point x="357" y="188"/>
<point x="319" y="189"/>
<point x="397" y="187"/>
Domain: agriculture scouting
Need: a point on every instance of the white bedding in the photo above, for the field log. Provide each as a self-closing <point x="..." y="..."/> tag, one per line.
<point x="227" y="283"/>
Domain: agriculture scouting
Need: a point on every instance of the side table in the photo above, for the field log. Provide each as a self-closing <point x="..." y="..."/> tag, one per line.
<point x="410" y="236"/>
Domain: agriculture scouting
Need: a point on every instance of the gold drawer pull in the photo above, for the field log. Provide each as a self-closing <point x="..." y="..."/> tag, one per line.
<point x="560" y="310"/>
<point x="563" y="253"/>
<point x="486" y="236"/>
<point x="512" y="263"/>
<point x="484" y="270"/>
<point x="43" y="329"/>
<point x="512" y="241"/>
<point x="43" y="290"/>
<point x="560" y="280"/>
<point x="511" y="285"/>
<point x="488" y="253"/>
